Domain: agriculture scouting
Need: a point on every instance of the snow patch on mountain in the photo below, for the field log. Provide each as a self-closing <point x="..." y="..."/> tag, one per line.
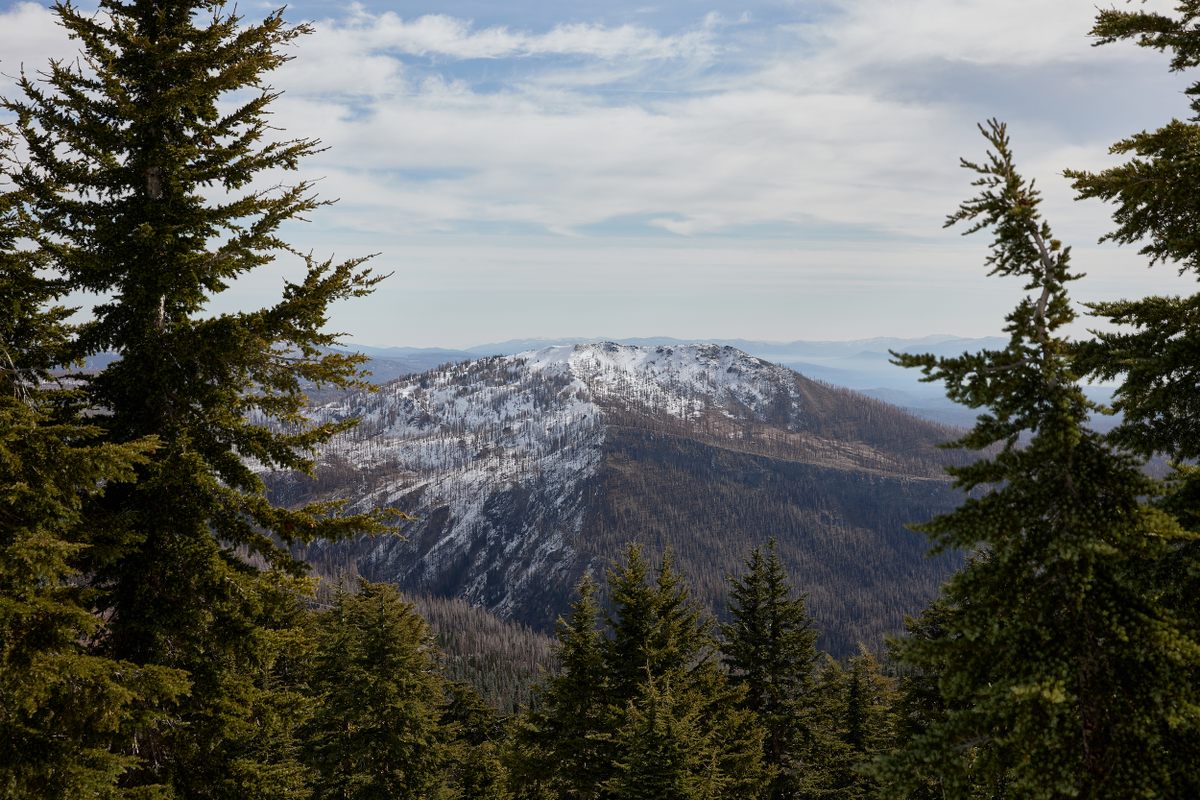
<point x="514" y="440"/>
<point x="683" y="381"/>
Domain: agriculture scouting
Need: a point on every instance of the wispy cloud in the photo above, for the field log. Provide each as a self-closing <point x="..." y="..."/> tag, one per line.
<point x="456" y="38"/>
<point x="832" y="121"/>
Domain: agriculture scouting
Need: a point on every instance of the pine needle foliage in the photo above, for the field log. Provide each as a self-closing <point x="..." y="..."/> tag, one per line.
<point x="562" y="742"/>
<point x="378" y="729"/>
<point x="1152" y="347"/>
<point x="1064" y="671"/>
<point x="144" y="184"/>
<point x="639" y="703"/>
<point x="1152" y="342"/>
<point x="64" y="712"/>
<point x="769" y="647"/>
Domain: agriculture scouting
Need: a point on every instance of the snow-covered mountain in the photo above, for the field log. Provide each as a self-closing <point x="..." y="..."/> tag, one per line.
<point x="526" y="470"/>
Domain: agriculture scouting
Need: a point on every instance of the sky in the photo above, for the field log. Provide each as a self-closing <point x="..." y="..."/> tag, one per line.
<point x="768" y="169"/>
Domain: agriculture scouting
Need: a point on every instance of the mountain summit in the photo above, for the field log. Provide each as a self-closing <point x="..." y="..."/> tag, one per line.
<point x="525" y="471"/>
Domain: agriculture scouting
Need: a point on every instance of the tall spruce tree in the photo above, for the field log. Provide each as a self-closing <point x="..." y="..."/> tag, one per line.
<point x="862" y="702"/>
<point x="650" y="672"/>
<point x="664" y="752"/>
<point x="769" y="647"/>
<point x="919" y="704"/>
<point x="1063" y="673"/>
<point x="140" y="184"/>
<point x="562" y="744"/>
<point x="63" y="711"/>
<point x="1151" y="344"/>
<point x="377" y="731"/>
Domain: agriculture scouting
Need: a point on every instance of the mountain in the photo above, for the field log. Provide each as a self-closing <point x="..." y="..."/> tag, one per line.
<point x="524" y="471"/>
<point x="860" y="364"/>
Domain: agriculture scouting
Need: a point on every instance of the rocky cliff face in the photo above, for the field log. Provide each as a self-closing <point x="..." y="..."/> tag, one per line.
<point x="525" y="471"/>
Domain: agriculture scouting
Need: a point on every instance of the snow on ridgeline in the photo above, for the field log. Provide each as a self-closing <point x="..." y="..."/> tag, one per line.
<point x="536" y="417"/>
<point x="462" y="436"/>
<point x="681" y="381"/>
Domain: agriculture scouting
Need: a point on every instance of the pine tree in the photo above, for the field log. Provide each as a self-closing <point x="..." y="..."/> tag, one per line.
<point x="1062" y="672"/>
<point x="377" y="730"/>
<point x="61" y="708"/>
<point x="769" y="647"/>
<point x="664" y="752"/>
<point x="863" y="701"/>
<point x="140" y="185"/>
<point x="919" y="704"/>
<point x="477" y="770"/>
<point x="1151" y="342"/>
<point x="562" y="742"/>
<point x="656" y="630"/>
<point x="653" y="665"/>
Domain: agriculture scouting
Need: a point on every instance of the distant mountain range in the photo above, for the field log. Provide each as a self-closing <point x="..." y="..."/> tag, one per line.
<point x="525" y="471"/>
<point x="863" y="365"/>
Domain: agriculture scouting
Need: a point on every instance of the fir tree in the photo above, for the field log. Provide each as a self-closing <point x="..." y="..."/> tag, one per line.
<point x="863" y="701"/>
<point x="1151" y="343"/>
<point x="378" y="729"/>
<point x="1063" y="674"/>
<point x="140" y="187"/>
<point x="769" y="647"/>
<point x="477" y="769"/>
<point x="664" y="752"/>
<point x="63" y="711"/>
<point x="562" y="742"/>
<point x="919" y="704"/>
<point x="653" y="668"/>
<point x="656" y="630"/>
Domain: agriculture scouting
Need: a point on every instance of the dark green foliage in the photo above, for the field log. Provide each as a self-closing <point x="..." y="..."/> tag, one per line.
<point x="1152" y="345"/>
<point x="377" y="730"/>
<point x="139" y="186"/>
<point x="1063" y="671"/>
<point x="664" y="751"/>
<point x="919" y="704"/>
<point x="64" y="713"/>
<point x="649" y="689"/>
<point x="1153" y="191"/>
<point x="476" y="769"/>
<point x="860" y="700"/>
<point x="769" y="647"/>
<point x="563" y="739"/>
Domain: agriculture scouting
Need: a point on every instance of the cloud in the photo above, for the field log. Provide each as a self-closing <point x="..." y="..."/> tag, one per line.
<point x="844" y="123"/>
<point x="456" y="38"/>
<point x="716" y="126"/>
<point x="29" y="37"/>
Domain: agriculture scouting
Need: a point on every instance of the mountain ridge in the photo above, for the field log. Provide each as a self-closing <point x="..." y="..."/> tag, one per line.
<point x="525" y="471"/>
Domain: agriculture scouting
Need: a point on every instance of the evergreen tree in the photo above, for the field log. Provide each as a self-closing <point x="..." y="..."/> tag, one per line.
<point x="477" y="769"/>
<point x="62" y="710"/>
<point x="665" y="755"/>
<point x="863" y="701"/>
<point x="140" y="187"/>
<point x="1062" y="672"/>
<point x="769" y="647"/>
<point x="919" y="703"/>
<point x="654" y="670"/>
<point x="1151" y="342"/>
<point x="562" y="741"/>
<point x="656" y="630"/>
<point x="377" y="730"/>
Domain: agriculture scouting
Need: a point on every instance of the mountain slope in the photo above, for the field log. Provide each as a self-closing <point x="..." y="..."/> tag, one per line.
<point x="524" y="471"/>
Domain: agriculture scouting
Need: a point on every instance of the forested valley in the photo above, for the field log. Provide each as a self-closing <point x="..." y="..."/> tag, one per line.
<point x="158" y="639"/>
